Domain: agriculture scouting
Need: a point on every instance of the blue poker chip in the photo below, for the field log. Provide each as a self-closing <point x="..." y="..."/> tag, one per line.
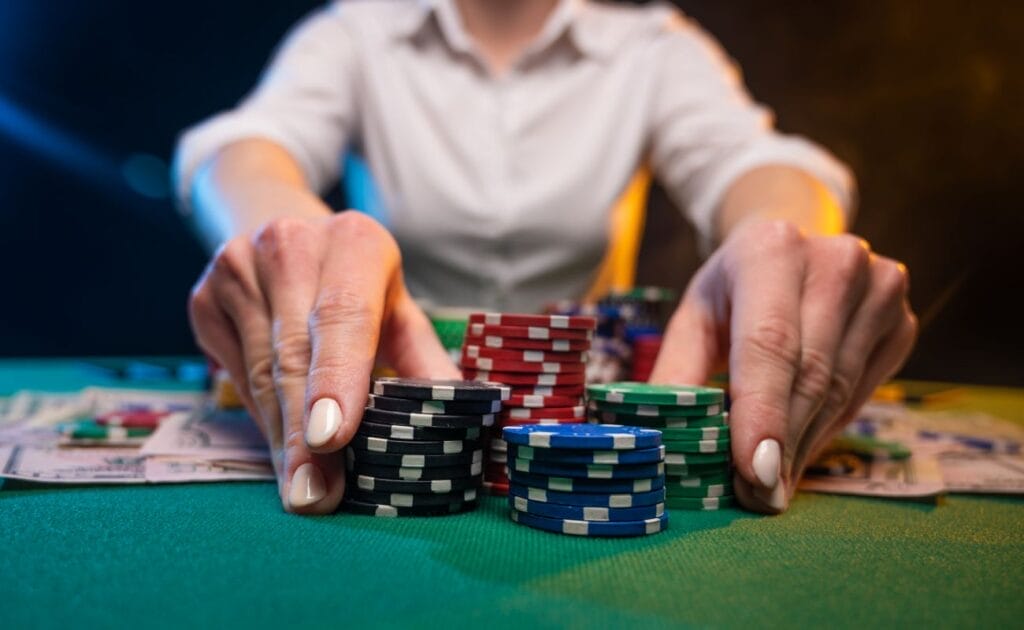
<point x="581" y="456"/>
<point x="586" y="513"/>
<point x="620" y="500"/>
<point x="591" y="486"/>
<point x="592" y="528"/>
<point x="583" y="436"/>
<point x="588" y="471"/>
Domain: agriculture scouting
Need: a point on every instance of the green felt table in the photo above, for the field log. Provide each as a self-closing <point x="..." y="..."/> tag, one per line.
<point x="226" y="555"/>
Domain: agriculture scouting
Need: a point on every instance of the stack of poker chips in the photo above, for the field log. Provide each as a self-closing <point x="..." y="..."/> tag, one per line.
<point x="645" y="352"/>
<point x="543" y="359"/>
<point x="129" y="426"/>
<point x="695" y="432"/>
<point x="419" y="448"/>
<point x="587" y="480"/>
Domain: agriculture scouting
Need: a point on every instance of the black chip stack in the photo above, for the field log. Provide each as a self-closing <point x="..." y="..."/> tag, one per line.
<point x="419" y="448"/>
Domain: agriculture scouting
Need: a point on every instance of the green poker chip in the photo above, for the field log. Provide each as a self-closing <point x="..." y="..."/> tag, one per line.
<point x="678" y="473"/>
<point x="700" y="492"/>
<point x="656" y="411"/>
<point x="700" y="503"/>
<point x="689" y="459"/>
<point x="657" y="422"/>
<point x="697" y="479"/>
<point x="673" y="434"/>
<point x="721" y="445"/>
<point x="646" y="394"/>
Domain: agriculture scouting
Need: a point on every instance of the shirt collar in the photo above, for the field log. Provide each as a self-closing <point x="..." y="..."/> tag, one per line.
<point x="570" y="17"/>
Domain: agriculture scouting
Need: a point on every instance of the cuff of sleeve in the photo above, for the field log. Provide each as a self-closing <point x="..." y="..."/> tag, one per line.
<point x="776" y="150"/>
<point x="200" y="143"/>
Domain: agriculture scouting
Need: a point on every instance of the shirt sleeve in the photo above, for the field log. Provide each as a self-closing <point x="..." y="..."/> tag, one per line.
<point x="707" y="131"/>
<point x="304" y="102"/>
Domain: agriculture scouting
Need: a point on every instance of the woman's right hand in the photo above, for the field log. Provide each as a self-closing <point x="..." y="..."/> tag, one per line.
<point x="297" y="313"/>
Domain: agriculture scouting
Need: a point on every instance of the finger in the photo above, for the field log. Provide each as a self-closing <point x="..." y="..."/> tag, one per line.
<point x="411" y="345"/>
<point x="693" y="346"/>
<point x="876" y="325"/>
<point x="764" y="277"/>
<point x="345" y="323"/>
<point x="288" y="254"/>
<point x="234" y="287"/>
<point x="886" y="359"/>
<point x="834" y="285"/>
<point x="218" y="338"/>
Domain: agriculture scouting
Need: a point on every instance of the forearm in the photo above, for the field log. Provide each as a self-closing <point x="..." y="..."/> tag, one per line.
<point x="780" y="192"/>
<point x="244" y="186"/>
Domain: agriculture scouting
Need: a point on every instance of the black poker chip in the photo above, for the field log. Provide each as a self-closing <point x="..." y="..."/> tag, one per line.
<point x="407" y="432"/>
<point x="430" y="389"/>
<point x="413" y="447"/>
<point x="447" y="407"/>
<point x="414" y="474"/>
<point x="375" y="509"/>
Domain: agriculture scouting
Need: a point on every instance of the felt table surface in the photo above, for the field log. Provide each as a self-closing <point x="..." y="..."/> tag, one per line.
<point x="226" y="555"/>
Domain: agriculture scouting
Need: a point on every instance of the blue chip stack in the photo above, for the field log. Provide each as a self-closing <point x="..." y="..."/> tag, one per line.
<point x="587" y="480"/>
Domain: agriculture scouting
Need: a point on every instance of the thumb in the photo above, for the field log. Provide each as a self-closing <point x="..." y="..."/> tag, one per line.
<point x="691" y="350"/>
<point x="410" y="345"/>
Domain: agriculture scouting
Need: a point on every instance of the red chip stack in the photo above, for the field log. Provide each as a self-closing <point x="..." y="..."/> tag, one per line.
<point x="543" y="359"/>
<point x="645" y="353"/>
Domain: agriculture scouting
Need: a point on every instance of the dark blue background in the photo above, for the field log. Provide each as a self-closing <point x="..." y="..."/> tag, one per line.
<point x="917" y="97"/>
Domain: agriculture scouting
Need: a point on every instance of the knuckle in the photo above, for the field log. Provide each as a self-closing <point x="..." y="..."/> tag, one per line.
<point x="912" y="325"/>
<point x="282" y="234"/>
<point x="261" y="377"/>
<point x="777" y="236"/>
<point x="840" y="392"/>
<point x="775" y="339"/>
<point x="357" y="226"/>
<point x="232" y="259"/>
<point x="200" y="301"/>
<point x="342" y="306"/>
<point x="292" y="354"/>
<point x="815" y="377"/>
<point x="891" y="278"/>
<point x="849" y="257"/>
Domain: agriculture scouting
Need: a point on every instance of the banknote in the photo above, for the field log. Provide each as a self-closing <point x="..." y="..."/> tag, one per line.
<point x="194" y="444"/>
<point x="949" y="451"/>
<point x="210" y="434"/>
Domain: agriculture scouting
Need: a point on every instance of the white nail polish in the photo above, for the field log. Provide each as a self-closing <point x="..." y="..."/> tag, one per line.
<point x="775" y="498"/>
<point x="324" y="420"/>
<point x="307" y="486"/>
<point x="767" y="462"/>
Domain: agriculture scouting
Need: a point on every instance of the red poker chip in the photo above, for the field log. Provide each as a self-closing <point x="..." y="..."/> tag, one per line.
<point x="577" y="411"/>
<point x="540" y="402"/>
<point x="495" y="470"/>
<point x="525" y="378"/>
<point x="528" y="356"/>
<point x="529" y="332"/>
<point x="571" y="391"/>
<point x="503" y="365"/>
<point x="522" y="319"/>
<point x="133" y="419"/>
<point x="496" y="488"/>
<point x="515" y="343"/>
<point x="517" y="422"/>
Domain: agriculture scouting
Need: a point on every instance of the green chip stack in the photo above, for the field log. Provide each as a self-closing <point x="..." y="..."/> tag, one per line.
<point x="695" y="432"/>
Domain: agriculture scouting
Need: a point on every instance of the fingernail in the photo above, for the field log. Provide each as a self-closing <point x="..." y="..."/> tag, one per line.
<point x="307" y="486"/>
<point x="775" y="498"/>
<point x="324" y="420"/>
<point x="767" y="461"/>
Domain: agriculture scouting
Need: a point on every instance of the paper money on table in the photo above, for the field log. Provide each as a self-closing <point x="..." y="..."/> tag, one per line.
<point x="211" y="434"/>
<point x="192" y="444"/>
<point x="956" y="452"/>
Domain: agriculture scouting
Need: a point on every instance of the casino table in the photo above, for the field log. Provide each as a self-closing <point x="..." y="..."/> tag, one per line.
<point x="226" y="555"/>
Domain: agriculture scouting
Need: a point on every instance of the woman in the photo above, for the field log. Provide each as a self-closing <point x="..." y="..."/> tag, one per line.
<point x="500" y="135"/>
